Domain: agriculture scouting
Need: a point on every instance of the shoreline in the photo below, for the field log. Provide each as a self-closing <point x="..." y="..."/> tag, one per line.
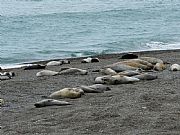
<point x="20" y="65"/>
<point x="145" y="107"/>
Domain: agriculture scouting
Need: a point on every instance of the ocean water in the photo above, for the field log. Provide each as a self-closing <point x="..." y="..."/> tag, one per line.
<point x="32" y="30"/>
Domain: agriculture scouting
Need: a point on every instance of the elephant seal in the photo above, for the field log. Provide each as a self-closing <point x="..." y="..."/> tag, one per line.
<point x="96" y="88"/>
<point x="67" y="93"/>
<point x="159" y="67"/>
<point x="34" y="66"/>
<point x="145" y="76"/>
<point x="54" y="63"/>
<point x="90" y="60"/>
<point x="1" y="102"/>
<point x="136" y="65"/>
<point x="129" y="56"/>
<point x="152" y="60"/>
<point x="46" y="73"/>
<point x="75" y="71"/>
<point x="116" y="79"/>
<point x="143" y="62"/>
<point x="108" y="71"/>
<point x="119" y="67"/>
<point x="50" y="102"/>
<point x="175" y="67"/>
<point x="129" y="73"/>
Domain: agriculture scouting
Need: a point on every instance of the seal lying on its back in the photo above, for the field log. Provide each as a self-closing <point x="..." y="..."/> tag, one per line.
<point x="34" y="66"/>
<point x="96" y="88"/>
<point x="73" y="71"/>
<point x="175" y="67"/>
<point x="116" y="79"/>
<point x="67" y="93"/>
<point x="46" y="73"/>
<point x="50" y="102"/>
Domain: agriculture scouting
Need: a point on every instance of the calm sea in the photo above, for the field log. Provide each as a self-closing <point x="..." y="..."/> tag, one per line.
<point x="32" y="30"/>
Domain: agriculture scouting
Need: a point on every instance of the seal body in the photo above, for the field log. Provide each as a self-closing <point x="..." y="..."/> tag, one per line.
<point x="90" y="60"/>
<point x="46" y="73"/>
<point x="119" y="67"/>
<point x="129" y="56"/>
<point x="116" y="79"/>
<point x="152" y="60"/>
<point x="146" y="76"/>
<point x="54" y="63"/>
<point x="73" y="71"/>
<point x="175" y="67"/>
<point x="160" y="67"/>
<point x="96" y="88"/>
<point x="129" y="73"/>
<point x="108" y="71"/>
<point x="50" y="102"/>
<point x="67" y="93"/>
<point x="34" y="66"/>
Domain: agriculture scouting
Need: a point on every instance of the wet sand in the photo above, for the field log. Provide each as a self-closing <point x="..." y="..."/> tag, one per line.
<point x="145" y="107"/>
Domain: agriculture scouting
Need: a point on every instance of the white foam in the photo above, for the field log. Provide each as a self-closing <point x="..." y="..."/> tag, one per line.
<point x="14" y="66"/>
<point x="162" y="46"/>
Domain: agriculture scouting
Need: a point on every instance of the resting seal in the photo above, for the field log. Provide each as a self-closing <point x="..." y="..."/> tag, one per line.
<point x="54" y="63"/>
<point x="129" y="73"/>
<point x="152" y="60"/>
<point x="67" y="93"/>
<point x="90" y="60"/>
<point x="116" y="79"/>
<point x="129" y="56"/>
<point x="46" y="73"/>
<point x="50" y="102"/>
<point x="146" y="76"/>
<point x="108" y="71"/>
<point x="175" y="67"/>
<point x="73" y="71"/>
<point x="96" y="88"/>
<point x="35" y="66"/>
<point x="160" y="67"/>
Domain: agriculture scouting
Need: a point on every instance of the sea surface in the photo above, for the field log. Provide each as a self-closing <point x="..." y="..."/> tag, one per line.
<point x="33" y="30"/>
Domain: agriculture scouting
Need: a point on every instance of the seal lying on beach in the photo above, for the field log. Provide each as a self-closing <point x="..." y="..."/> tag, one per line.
<point x="54" y="63"/>
<point x="116" y="79"/>
<point x="46" y="73"/>
<point x="6" y="75"/>
<point x="175" y="67"/>
<point x="152" y="60"/>
<point x="73" y="71"/>
<point x="67" y="93"/>
<point x="137" y="64"/>
<point x="145" y="76"/>
<point x="129" y="72"/>
<point x="129" y="56"/>
<point x="90" y="60"/>
<point x="108" y="71"/>
<point x="34" y="66"/>
<point x="96" y="88"/>
<point x="50" y="102"/>
<point x="159" y="67"/>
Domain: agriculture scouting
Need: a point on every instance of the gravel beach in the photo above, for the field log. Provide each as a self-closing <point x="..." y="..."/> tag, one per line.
<point x="141" y="108"/>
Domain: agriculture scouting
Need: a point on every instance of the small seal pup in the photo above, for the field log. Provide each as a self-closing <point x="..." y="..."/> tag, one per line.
<point x="175" y="67"/>
<point x="146" y="76"/>
<point x="34" y="66"/>
<point x="46" y="73"/>
<point x="67" y="93"/>
<point x="96" y="88"/>
<point x="75" y="71"/>
<point x="90" y="60"/>
<point x="116" y="79"/>
<point x="50" y="102"/>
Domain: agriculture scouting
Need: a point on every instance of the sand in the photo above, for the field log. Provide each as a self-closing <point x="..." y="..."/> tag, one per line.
<point x="145" y="107"/>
